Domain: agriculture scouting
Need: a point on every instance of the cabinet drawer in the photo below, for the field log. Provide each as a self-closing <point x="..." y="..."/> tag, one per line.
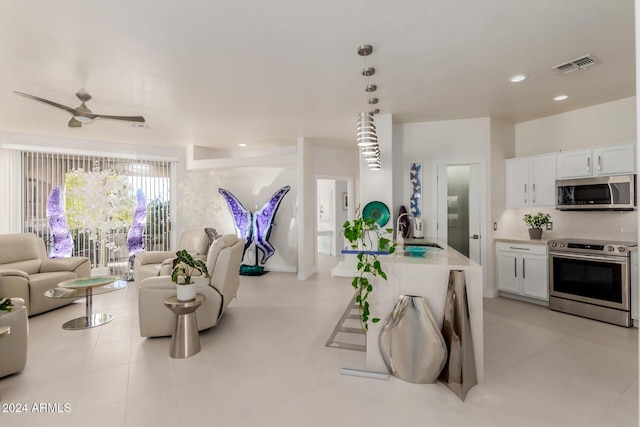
<point x="521" y="248"/>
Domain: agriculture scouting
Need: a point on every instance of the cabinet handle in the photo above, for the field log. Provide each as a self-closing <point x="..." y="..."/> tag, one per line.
<point x="519" y="249"/>
<point x="524" y="274"/>
<point x="599" y="164"/>
<point x="588" y="164"/>
<point x="525" y="194"/>
<point x="533" y="190"/>
<point x="515" y="267"/>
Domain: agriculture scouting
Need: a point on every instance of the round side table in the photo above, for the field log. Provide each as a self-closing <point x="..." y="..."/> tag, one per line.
<point x="185" y="340"/>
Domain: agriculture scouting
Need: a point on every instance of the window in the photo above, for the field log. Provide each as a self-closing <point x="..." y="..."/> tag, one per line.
<point x="42" y="171"/>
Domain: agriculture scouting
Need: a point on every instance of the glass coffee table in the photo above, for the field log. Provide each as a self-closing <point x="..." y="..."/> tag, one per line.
<point x="86" y="288"/>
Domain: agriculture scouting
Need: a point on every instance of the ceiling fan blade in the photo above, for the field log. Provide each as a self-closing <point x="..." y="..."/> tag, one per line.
<point x="73" y="123"/>
<point x="46" y="101"/>
<point x="127" y="118"/>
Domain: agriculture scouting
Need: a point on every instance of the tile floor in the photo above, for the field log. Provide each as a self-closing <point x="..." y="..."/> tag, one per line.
<point x="266" y="364"/>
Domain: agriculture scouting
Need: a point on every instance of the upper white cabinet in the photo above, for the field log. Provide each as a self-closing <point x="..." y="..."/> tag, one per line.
<point x="530" y="181"/>
<point x="607" y="160"/>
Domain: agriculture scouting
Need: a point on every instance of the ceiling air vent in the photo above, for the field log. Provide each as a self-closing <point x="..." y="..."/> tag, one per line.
<point x="582" y="63"/>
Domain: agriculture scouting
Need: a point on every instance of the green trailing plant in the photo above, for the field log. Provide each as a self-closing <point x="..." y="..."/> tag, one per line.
<point x="366" y="236"/>
<point x="184" y="265"/>
<point x="537" y="220"/>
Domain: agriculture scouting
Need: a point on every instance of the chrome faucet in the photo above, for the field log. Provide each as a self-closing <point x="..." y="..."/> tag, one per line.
<point x="399" y="237"/>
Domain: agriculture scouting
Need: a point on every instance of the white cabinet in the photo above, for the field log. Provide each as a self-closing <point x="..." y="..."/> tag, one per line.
<point x="600" y="161"/>
<point x="522" y="269"/>
<point x="634" y="288"/>
<point x="530" y="181"/>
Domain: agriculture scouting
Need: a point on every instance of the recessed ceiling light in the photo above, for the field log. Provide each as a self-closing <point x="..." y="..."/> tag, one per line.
<point x="560" y="98"/>
<point x="242" y="145"/>
<point x="517" y="78"/>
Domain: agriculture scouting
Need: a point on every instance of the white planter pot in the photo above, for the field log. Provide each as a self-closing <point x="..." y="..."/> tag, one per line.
<point x="186" y="292"/>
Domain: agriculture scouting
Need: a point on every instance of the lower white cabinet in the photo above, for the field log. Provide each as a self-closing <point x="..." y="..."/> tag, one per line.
<point x="522" y="269"/>
<point x="634" y="287"/>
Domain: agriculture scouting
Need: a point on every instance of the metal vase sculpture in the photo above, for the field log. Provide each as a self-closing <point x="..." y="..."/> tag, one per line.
<point x="411" y="344"/>
<point x="459" y="374"/>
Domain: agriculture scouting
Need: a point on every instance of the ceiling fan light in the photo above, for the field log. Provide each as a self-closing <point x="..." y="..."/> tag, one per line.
<point x="83" y="119"/>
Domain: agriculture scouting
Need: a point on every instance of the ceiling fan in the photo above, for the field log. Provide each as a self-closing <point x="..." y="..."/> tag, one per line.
<point x="82" y="114"/>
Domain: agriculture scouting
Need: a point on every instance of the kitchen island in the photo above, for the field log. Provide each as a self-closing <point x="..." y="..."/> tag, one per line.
<point x="426" y="276"/>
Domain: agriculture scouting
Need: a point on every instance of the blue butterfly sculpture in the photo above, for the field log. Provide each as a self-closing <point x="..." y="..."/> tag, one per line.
<point x="255" y="227"/>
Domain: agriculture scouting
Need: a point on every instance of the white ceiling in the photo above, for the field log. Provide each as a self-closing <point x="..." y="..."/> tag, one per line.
<point x="219" y="73"/>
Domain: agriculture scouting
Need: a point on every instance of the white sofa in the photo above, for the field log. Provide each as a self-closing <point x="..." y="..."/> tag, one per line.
<point x="27" y="273"/>
<point x="149" y="264"/>
<point x="223" y="264"/>
<point x="13" y="347"/>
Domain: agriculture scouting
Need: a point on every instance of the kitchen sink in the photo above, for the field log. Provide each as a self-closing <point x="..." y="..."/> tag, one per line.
<point x="419" y="242"/>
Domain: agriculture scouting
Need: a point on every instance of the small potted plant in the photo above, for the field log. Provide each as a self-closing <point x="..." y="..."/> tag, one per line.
<point x="535" y="223"/>
<point x="185" y="266"/>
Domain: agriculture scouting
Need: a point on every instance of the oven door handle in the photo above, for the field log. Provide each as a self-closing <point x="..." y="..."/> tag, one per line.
<point x="615" y="259"/>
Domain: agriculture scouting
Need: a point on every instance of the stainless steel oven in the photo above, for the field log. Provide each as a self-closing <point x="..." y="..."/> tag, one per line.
<point x="591" y="278"/>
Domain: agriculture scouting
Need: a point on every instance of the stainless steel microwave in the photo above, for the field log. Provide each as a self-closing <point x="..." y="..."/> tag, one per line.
<point x="615" y="193"/>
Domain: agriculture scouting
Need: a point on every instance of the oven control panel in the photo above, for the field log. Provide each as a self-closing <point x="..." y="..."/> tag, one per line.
<point x="590" y="246"/>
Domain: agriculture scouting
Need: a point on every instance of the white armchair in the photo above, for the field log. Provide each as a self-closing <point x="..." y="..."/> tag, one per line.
<point x="150" y="264"/>
<point x="223" y="263"/>
<point x="13" y="347"/>
<point x="27" y="273"/>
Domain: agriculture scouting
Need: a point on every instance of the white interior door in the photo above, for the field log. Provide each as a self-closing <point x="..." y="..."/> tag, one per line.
<point x="459" y="207"/>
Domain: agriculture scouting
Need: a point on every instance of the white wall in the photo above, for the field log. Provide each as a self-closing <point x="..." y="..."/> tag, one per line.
<point x="603" y="124"/>
<point x="428" y="142"/>
<point x="331" y="161"/>
<point x="502" y="147"/>
<point x="306" y="211"/>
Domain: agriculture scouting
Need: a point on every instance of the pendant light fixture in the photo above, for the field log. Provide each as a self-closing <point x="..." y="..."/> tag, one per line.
<point x="367" y="137"/>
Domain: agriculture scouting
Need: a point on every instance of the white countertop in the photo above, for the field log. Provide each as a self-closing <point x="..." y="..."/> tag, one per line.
<point x="433" y="257"/>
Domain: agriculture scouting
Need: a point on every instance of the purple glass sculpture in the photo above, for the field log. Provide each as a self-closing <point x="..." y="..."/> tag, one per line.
<point x="61" y="244"/>
<point x="255" y="227"/>
<point x="241" y="217"/>
<point x="135" y="238"/>
<point x="263" y="222"/>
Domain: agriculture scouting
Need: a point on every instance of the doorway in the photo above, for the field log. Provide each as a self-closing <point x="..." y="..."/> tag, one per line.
<point x="333" y="208"/>
<point x="459" y="207"/>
